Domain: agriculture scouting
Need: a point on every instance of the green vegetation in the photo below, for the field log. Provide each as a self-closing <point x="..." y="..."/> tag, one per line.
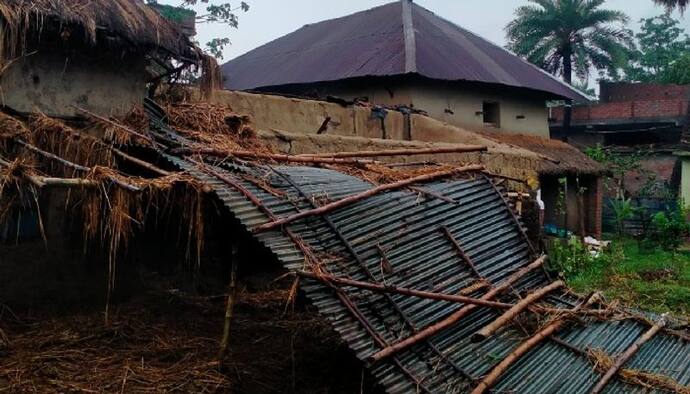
<point x="216" y="12"/>
<point x="672" y="4"/>
<point x="562" y="36"/>
<point x="656" y="279"/>
<point x="661" y="54"/>
<point x="175" y="14"/>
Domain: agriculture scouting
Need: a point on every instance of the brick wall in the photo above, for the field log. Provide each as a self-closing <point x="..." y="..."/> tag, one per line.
<point x="626" y="110"/>
<point x="621" y="92"/>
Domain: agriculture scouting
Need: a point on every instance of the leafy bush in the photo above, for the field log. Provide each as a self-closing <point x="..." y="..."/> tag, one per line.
<point x="623" y="210"/>
<point x="669" y="228"/>
<point x="569" y="257"/>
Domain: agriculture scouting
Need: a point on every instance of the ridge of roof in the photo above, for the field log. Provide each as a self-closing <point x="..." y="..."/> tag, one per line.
<point x="409" y="37"/>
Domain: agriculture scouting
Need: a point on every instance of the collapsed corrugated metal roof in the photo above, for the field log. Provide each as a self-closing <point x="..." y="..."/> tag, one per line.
<point x="395" y="39"/>
<point x="448" y="240"/>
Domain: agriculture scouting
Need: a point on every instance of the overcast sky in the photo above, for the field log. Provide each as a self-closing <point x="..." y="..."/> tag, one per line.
<point x="270" y="19"/>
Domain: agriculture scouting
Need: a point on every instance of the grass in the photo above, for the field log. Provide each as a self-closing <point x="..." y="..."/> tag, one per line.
<point x="651" y="279"/>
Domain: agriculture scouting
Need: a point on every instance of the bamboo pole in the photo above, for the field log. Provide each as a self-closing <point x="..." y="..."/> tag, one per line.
<point x="75" y="166"/>
<point x="229" y="309"/>
<point x="380" y="288"/>
<point x="139" y="162"/>
<point x="511" y="313"/>
<point x="41" y="181"/>
<point x="461" y="252"/>
<point x="628" y="354"/>
<point x="122" y="154"/>
<point x="267" y="156"/>
<point x="551" y="328"/>
<point x="401" y="152"/>
<point x="460" y="298"/>
<point x="364" y="195"/>
<point x="457" y="316"/>
<point x="119" y="126"/>
<point x="309" y="256"/>
<point x="65" y="182"/>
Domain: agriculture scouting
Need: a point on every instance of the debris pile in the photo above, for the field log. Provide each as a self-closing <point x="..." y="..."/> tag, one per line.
<point x="425" y="272"/>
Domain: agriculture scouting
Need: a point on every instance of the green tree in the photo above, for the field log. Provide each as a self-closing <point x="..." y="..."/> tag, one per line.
<point x="671" y="4"/>
<point x="224" y="13"/>
<point x="562" y="36"/>
<point x="678" y="72"/>
<point x="661" y="43"/>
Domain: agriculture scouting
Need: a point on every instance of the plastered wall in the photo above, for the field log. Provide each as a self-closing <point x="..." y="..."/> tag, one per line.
<point x="52" y="81"/>
<point x="457" y="104"/>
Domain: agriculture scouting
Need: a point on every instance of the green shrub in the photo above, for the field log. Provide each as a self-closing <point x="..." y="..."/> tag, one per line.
<point x="623" y="210"/>
<point x="569" y="257"/>
<point x="670" y="228"/>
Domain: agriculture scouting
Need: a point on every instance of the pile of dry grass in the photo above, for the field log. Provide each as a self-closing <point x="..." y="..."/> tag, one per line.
<point x="121" y="202"/>
<point x="134" y="354"/>
<point x="642" y="378"/>
<point x="215" y="125"/>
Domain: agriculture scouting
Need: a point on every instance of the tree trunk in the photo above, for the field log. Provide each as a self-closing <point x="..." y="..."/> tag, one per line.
<point x="568" y="78"/>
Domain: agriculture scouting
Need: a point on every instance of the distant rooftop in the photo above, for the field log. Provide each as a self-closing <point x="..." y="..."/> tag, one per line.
<point x="394" y="39"/>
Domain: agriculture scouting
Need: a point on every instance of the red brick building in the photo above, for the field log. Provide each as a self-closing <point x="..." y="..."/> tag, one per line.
<point x="649" y="120"/>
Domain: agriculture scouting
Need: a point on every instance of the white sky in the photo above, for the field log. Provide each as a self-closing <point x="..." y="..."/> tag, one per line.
<point x="271" y="19"/>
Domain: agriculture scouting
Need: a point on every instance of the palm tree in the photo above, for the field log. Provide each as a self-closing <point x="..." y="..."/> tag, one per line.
<point x="565" y="35"/>
<point x="671" y="4"/>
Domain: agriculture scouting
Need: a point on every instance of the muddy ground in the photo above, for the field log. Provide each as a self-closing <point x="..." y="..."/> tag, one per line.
<point x="160" y="338"/>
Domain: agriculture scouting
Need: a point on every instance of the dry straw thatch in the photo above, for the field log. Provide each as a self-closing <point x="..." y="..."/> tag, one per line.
<point x="136" y="24"/>
<point x="642" y="378"/>
<point x="559" y="158"/>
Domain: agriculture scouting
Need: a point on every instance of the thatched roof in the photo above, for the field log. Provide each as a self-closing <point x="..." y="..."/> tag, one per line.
<point x="559" y="158"/>
<point x="130" y="20"/>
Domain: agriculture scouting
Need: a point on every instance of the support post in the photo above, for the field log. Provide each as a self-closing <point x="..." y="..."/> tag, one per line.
<point x="229" y="307"/>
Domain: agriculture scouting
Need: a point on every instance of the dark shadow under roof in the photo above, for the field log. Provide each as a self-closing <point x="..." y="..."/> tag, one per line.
<point x="394" y="39"/>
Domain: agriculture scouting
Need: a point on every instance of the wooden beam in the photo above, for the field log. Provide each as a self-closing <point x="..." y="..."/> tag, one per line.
<point x="628" y="354"/>
<point x="366" y="194"/>
<point x="139" y="162"/>
<point x="404" y="291"/>
<point x="223" y="153"/>
<point x="75" y="166"/>
<point x="119" y="126"/>
<point x="511" y="313"/>
<point x="461" y="252"/>
<point x="553" y="327"/>
<point x="401" y="152"/>
<point x="456" y="316"/>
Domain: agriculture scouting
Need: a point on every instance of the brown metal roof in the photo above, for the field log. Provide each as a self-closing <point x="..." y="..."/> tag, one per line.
<point x="394" y="39"/>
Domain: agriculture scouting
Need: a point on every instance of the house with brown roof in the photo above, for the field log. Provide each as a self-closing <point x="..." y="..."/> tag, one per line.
<point x="97" y="54"/>
<point x="401" y="54"/>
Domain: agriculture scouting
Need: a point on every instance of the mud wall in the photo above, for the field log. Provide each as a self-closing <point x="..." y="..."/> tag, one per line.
<point x="52" y="81"/>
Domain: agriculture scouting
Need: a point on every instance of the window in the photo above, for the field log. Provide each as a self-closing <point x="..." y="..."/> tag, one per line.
<point x="492" y="114"/>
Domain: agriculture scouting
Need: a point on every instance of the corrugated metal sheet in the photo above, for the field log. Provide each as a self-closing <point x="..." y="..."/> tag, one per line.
<point x="406" y="228"/>
<point x="374" y="43"/>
